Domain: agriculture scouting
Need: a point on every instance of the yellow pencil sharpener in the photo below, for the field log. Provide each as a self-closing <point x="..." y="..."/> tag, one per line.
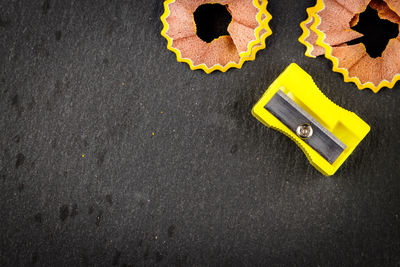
<point x="295" y="106"/>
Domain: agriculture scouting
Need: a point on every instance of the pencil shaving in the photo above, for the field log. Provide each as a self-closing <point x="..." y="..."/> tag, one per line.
<point x="331" y="21"/>
<point x="247" y="33"/>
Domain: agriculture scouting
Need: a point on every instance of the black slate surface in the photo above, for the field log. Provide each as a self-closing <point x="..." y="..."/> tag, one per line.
<point x="211" y="187"/>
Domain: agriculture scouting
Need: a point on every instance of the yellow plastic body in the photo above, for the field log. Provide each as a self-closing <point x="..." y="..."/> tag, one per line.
<point x="261" y="32"/>
<point x="300" y="87"/>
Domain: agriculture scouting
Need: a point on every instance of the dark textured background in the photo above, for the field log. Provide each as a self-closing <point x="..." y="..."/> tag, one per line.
<point x="211" y="187"/>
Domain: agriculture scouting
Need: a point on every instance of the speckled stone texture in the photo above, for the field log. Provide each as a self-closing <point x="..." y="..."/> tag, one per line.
<point x="112" y="153"/>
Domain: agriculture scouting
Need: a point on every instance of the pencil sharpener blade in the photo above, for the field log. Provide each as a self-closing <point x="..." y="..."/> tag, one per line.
<point x="295" y="106"/>
<point x="295" y="118"/>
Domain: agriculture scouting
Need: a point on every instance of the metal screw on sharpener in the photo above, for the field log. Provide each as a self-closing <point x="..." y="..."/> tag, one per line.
<point x="304" y="131"/>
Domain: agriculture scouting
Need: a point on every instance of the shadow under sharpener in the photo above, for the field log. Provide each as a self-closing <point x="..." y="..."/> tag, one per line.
<point x="293" y="105"/>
